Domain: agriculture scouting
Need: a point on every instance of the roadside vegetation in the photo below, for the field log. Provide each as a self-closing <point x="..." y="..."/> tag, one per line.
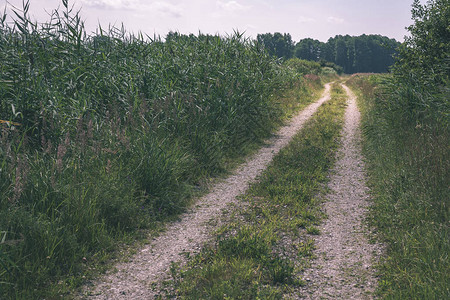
<point x="105" y="135"/>
<point x="259" y="253"/>
<point x="406" y="142"/>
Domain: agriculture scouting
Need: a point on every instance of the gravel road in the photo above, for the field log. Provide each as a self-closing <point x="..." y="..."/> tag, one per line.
<point x="345" y="258"/>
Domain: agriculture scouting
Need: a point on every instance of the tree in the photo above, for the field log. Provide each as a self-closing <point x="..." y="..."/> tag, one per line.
<point x="309" y="49"/>
<point x="423" y="65"/>
<point x="427" y="51"/>
<point x="340" y="53"/>
<point x="277" y="44"/>
<point x="365" y="53"/>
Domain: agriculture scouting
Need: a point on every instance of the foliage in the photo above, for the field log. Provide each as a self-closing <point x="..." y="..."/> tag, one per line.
<point x="427" y="50"/>
<point x="307" y="68"/>
<point x="107" y="134"/>
<point x="277" y="44"/>
<point x="255" y="256"/>
<point x="408" y="167"/>
<point x="423" y="66"/>
<point x="308" y="49"/>
<point x="302" y="66"/>
<point x="326" y="64"/>
<point x="365" y="53"/>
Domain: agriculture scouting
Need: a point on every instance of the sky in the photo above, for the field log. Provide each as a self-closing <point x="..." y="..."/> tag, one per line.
<point x="317" y="19"/>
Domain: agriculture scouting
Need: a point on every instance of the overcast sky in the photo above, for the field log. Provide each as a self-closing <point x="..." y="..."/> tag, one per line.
<point x="318" y="19"/>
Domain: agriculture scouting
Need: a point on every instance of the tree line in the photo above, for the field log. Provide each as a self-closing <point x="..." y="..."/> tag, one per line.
<point x="365" y="53"/>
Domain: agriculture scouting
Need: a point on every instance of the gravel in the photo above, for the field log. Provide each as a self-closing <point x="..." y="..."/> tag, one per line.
<point x="344" y="268"/>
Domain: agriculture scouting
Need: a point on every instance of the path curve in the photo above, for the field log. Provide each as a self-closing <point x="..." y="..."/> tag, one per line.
<point x="133" y="279"/>
<point x="344" y="267"/>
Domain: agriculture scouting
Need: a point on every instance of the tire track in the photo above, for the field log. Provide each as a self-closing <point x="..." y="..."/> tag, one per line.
<point x="344" y="267"/>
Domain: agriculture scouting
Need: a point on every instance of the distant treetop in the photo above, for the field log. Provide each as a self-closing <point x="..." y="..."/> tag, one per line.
<point x="365" y="53"/>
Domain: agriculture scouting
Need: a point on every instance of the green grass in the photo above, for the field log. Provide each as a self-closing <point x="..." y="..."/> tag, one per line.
<point x="408" y="165"/>
<point x="113" y="133"/>
<point x="258" y="253"/>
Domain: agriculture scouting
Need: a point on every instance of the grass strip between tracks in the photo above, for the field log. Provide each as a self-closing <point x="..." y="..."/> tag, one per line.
<point x="258" y="254"/>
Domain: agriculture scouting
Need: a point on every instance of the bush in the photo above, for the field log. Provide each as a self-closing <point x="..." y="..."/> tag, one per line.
<point x="422" y="70"/>
<point x="302" y="66"/>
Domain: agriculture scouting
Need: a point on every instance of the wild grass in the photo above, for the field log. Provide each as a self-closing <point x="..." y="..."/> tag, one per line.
<point x="408" y="164"/>
<point x="107" y="134"/>
<point x="256" y="255"/>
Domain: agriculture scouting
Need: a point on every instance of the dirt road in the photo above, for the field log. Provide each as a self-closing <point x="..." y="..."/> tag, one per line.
<point x="344" y="267"/>
<point x="133" y="279"/>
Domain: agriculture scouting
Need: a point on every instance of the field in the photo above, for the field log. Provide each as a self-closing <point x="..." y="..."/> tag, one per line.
<point x="107" y="138"/>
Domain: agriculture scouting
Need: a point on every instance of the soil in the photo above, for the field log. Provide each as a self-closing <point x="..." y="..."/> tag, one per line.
<point x="344" y="268"/>
<point x="135" y="278"/>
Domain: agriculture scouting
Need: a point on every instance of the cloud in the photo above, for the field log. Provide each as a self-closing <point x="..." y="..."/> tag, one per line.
<point x="167" y="9"/>
<point x="161" y="7"/>
<point x="303" y="19"/>
<point x="232" y="6"/>
<point x="335" y="20"/>
<point x="112" y="4"/>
